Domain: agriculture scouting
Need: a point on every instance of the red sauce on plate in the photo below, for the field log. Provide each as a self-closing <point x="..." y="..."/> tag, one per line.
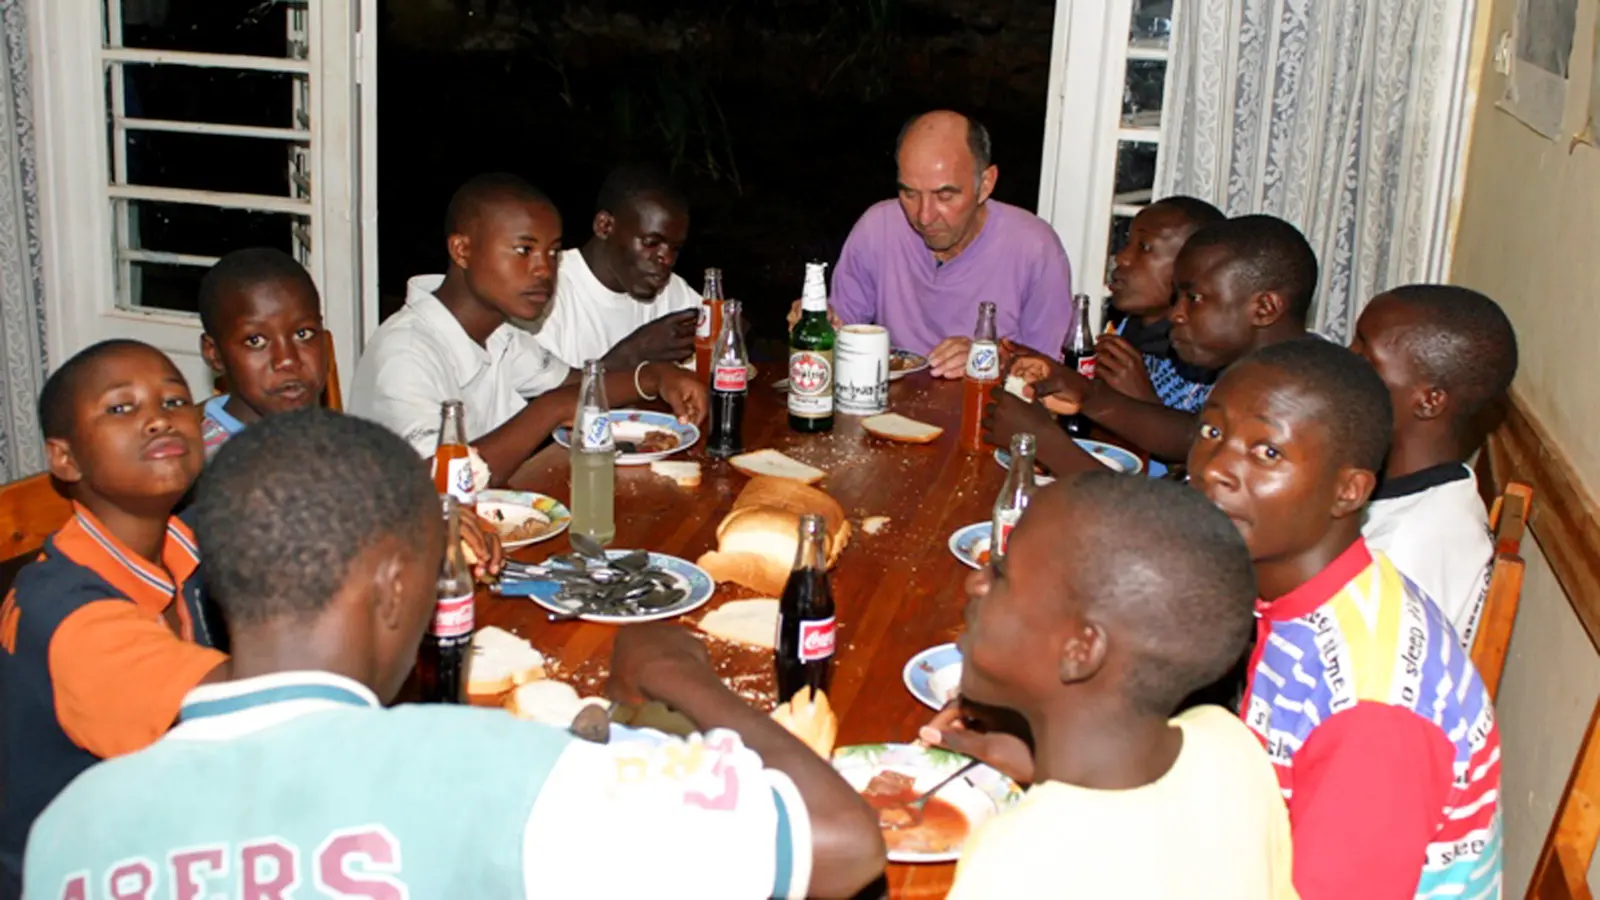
<point x="943" y="828"/>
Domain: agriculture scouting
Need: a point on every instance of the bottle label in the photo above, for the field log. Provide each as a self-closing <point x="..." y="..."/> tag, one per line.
<point x="983" y="361"/>
<point x="1005" y="521"/>
<point x="702" y="328"/>
<point x="816" y="639"/>
<point x="458" y="475"/>
<point x="1086" y="365"/>
<point x="452" y="618"/>
<point x="594" y="430"/>
<point x="730" y="379"/>
<point x="811" y="383"/>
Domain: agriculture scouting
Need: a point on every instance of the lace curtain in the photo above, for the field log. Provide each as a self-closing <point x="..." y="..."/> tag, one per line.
<point x="1334" y="115"/>
<point x="21" y="277"/>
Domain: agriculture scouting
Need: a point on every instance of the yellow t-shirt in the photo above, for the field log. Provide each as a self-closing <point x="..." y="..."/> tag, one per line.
<point x="1214" y="826"/>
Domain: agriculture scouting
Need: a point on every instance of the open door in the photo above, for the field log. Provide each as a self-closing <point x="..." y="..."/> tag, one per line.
<point x="172" y="132"/>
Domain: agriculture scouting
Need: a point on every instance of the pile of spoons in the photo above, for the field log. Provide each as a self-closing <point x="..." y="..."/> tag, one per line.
<point x="589" y="583"/>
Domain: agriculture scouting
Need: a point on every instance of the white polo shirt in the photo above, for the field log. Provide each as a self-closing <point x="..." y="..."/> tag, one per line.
<point x="587" y="319"/>
<point x="422" y="357"/>
<point x="1432" y="525"/>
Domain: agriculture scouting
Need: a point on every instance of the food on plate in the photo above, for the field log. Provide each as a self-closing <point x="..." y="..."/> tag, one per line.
<point x="655" y="715"/>
<point x="550" y="702"/>
<point x="874" y="524"/>
<point x="809" y="717"/>
<point x="501" y="661"/>
<point x="686" y="474"/>
<point x="750" y="622"/>
<point x="517" y="523"/>
<point x="771" y="462"/>
<point x="756" y="541"/>
<point x="656" y="440"/>
<point x="941" y="829"/>
<point x="900" y="362"/>
<point x="895" y="427"/>
<point x="1015" y="384"/>
<point x="982" y="556"/>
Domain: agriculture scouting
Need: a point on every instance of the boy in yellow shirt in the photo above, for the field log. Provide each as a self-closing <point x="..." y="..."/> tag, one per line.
<point x="1095" y="650"/>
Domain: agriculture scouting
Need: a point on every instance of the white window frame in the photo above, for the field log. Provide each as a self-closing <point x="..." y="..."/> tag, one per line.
<point x="80" y="237"/>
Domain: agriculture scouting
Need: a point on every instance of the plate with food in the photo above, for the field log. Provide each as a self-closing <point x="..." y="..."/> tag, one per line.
<point x="630" y="586"/>
<point x="904" y="362"/>
<point x="970" y="544"/>
<point x="523" y="518"/>
<point x="1113" y="457"/>
<point x="642" y="435"/>
<point x="890" y="776"/>
<point x="934" y="675"/>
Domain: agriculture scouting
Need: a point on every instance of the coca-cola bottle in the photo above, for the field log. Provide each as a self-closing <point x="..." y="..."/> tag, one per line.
<point x="730" y="374"/>
<point x="805" y="616"/>
<point x="1077" y="352"/>
<point x="1014" y="496"/>
<point x="442" y="659"/>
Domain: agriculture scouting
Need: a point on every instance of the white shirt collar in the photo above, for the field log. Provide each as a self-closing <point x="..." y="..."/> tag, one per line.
<point x="466" y="355"/>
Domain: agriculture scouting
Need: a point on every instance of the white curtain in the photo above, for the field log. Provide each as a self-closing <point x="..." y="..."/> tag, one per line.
<point x="21" y="281"/>
<point x="1340" y="116"/>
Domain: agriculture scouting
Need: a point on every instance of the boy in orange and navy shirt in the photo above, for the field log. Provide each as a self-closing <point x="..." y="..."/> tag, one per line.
<point x="103" y="634"/>
<point x="1381" y="731"/>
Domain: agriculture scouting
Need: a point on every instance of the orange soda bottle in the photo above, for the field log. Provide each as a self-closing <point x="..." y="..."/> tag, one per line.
<point x="983" y="373"/>
<point x="452" y="459"/>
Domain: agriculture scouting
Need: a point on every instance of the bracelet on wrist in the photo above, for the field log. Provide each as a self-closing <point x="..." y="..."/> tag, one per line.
<point x="643" y="394"/>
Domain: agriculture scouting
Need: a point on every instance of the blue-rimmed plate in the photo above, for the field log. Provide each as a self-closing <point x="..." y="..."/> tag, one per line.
<point x="934" y="675"/>
<point x="977" y="796"/>
<point x="970" y="544"/>
<point x="692" y="579"/>
<point x="634" y="425"/>
<point x="1113" y="457"/>
<point x="904" y="362"/>
<point x="522" y="517"/>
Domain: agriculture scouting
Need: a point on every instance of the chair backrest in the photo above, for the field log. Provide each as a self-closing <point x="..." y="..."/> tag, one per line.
<point x="1563" y="869"/>
<point x="1509" y="519"/>
<point x="30" y="511"/>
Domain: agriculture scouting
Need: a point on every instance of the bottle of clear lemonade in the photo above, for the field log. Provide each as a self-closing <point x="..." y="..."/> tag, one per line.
<point x="593" y="459"/>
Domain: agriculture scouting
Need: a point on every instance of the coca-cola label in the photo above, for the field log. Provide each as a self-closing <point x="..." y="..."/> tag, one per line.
<point x="1005" y="522"/>
<point x="816" y="639"/>
<point x="594" y="430"/>
<point x="458" y="475"/>
<point x="1086" y="365"/>
<point x="702" y="328"/>
<point x="452" y="617"/>
<point x="811" y="383"/>
<point x="983" y="361"/>
<point x="729" y="379"/>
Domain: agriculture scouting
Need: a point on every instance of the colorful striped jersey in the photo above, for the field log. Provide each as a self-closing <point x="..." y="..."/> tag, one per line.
<point x="1382" y="734"/>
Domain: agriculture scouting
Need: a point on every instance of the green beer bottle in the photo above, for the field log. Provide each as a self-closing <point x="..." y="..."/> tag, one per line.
<point x="811" y="358"/>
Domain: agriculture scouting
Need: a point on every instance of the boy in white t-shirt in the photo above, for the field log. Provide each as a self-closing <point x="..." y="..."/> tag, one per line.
<point x="1095" y="649"/>
<point x="616" y="296"/>
<point x="1444" y="352"/>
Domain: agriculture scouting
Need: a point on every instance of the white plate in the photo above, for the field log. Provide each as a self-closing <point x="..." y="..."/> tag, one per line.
<point x="516" y="507"/>
<point x="688" y="576"/>
<point x="979" y="795"/>
<point x="631" y="425"/>
<point x="1113" y="457"/>
<point x="934" y="675"/>
<point x="969" y="541"/>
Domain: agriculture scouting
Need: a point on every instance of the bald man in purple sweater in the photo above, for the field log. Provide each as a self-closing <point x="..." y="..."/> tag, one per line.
<point x="922" y="269"/>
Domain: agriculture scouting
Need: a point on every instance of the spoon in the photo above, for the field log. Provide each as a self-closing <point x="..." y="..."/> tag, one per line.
<point x="909" y="814"/>
<point x="587" y="546"/>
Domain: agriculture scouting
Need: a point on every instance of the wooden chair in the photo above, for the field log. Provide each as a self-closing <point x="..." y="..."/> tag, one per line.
<point x="1509" y="519"/>
<point x="1562" y="872"/>
<point x="30" y="511"/>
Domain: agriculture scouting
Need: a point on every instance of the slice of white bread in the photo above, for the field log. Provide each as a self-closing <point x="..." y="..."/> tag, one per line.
<point x="1015" y="384"/>
<point x="809" y="717"/>
<point x="874" y="524"/>
<point x="501" y="661"/>
<point x="686" y="474"/>
<point x="771" y="462"/>
<point x="750" y="622"/>
<point x="550" y="702"/>
<point x="895" y="427"/>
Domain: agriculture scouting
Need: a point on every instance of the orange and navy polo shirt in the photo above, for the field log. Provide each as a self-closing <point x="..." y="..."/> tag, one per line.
<point x="89" y="666"/>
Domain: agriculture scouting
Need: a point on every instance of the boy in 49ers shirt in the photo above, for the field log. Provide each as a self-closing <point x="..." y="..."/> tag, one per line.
<point x="1382" y="733"/>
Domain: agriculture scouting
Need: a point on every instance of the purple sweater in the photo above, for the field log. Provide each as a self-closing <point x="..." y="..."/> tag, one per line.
<point x="887" y="276"/>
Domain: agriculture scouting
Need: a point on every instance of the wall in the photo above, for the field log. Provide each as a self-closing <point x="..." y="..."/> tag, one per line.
<point x="1529" y="227"/>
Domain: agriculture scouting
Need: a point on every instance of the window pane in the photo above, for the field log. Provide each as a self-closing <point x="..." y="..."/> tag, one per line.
<point x="1141" y="93"/>
<point x="246" y="27"/>
<point x="224" y="96"/>
<point x="1151" y="27"/>
<point x="247" y="165"/>
<point x="161" y="286"/>
<point x="1136" y="172"/>
<point x="191" y="230"/>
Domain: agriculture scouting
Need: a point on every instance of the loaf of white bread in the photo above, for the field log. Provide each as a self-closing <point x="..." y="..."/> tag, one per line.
<point x="757" y="540"/>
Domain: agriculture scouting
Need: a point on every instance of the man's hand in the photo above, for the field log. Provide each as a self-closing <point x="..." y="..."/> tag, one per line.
<point x="688" y="396"/>
<point x="483" y="540"/>
<point x="1007" y="753"/>
<point x="949" y="359"/>
<point x="1007" y="416"/>
<point x="1121" y="367"/>
<point x="644" y="657"/>
<point x="668" y="339"/>
<point x="794" y="316"/>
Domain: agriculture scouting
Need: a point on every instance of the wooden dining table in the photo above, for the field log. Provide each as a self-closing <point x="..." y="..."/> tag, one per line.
<point x="896" y="592"/>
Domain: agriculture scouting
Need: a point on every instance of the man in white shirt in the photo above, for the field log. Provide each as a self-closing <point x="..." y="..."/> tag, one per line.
<point x="1444" y="352"/>
<point x="617" y="297"/>
<point x="454" y="341"/>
